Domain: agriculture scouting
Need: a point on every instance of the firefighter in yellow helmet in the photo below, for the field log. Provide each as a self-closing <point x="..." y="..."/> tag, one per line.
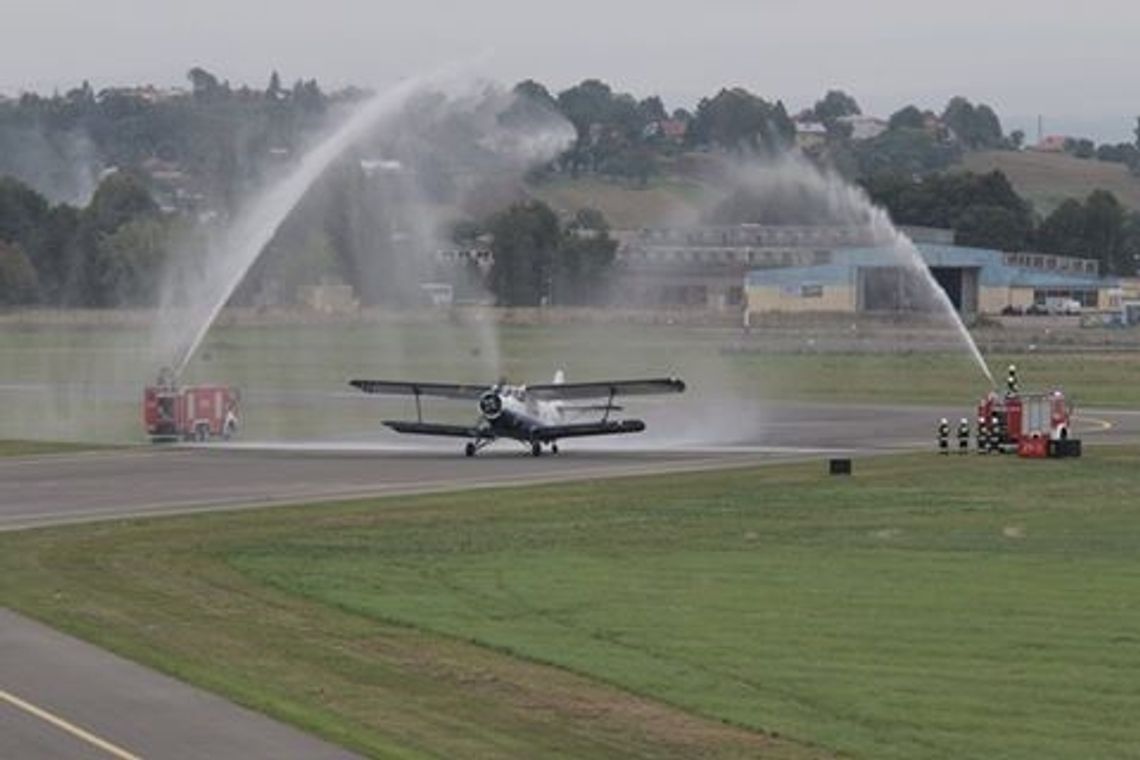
<point x="1011" y="381"/>
<point x="943" y="436"/>
<point x="963" y="436"/>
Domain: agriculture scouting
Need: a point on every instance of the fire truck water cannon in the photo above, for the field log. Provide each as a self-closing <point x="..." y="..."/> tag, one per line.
<point x="1035" y="425"/>
<point x="174" y="412"/>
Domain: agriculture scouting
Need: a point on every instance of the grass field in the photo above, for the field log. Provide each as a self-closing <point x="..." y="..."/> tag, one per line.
<point x="923" y="608"/>
<point x="1046" y="179"/>
<point x="664" y="201"/>
<point x="34" y="448"/>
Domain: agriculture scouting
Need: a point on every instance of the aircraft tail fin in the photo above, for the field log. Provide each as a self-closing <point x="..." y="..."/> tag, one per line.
<point x="559" y="377"/>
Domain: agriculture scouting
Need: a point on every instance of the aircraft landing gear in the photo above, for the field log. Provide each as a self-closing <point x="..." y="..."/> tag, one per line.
<point x="473" y="446"/>
<point x="536" y="448"/>
<point x="553" y="448"/>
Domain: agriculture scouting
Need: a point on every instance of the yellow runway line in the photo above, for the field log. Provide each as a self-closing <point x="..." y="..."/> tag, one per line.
<point x="1101" y="425"/>
<point x="71" y="728"/>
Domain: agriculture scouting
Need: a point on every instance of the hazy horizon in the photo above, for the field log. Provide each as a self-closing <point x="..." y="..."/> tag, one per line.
<point x="1025" y="59"/>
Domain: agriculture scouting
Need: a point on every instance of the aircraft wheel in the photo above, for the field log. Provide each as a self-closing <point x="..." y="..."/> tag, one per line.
<point x="469" y="449"/>
<point x="554" y="448"/>
<point x="536" y="449"/>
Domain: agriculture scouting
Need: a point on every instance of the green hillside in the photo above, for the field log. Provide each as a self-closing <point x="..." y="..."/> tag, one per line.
<point x="668" y="201"/>
<point x="1046" y="179"/>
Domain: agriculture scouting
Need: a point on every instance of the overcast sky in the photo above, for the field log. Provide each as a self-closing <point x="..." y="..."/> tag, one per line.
<point x="1074" y="63"/>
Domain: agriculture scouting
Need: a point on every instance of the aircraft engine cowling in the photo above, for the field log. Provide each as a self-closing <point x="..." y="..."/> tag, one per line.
<point x="490" y="405"/>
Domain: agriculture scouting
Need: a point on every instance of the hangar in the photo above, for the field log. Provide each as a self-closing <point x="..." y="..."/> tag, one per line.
<point x="882" y="279"/>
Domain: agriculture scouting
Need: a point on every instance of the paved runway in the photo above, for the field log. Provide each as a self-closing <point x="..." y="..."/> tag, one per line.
<point x="104" y="485"/>
<point x="62" y="698"/>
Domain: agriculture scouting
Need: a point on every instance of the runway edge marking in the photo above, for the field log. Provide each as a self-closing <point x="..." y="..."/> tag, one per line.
<point x="111" y="749"/>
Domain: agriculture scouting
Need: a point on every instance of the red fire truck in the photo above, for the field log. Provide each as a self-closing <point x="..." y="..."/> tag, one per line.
<point x="189" y="413"/>
<point x="1035" y="425"/>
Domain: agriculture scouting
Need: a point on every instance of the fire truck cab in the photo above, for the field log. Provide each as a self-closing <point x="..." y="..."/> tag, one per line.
<point x="1035" y="425"/>
<point x="189" y="413"/>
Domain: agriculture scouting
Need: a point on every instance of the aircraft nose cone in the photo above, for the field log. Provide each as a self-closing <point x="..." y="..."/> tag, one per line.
<point x="490" y="405"/>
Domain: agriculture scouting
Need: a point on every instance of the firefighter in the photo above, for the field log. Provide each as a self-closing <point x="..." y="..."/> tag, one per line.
<point x="943" y="436"/>
<point x="995" y="435"/>
<point x="963" y="436"/>
<point x="1011" y="381"/>
<point x="983" y="437"/>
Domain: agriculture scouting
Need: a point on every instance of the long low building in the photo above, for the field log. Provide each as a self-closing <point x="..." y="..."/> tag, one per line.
<point x="889" y="279"/>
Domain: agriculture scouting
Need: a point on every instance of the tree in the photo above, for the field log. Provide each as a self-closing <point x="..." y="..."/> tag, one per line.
<point x="738" y="120"/>
<point x="834" y="105"/>
<point x="1063" y="230"/>
<point x="983" y="209"/>
<point x="1104" y="230"/>
<point x="22" y="210"/>
<point x="532" y="90"/>
<point x="989" y="226"/>
<point x="1080" y="147"/>
<point x="204" y="84"/>
<point x="121" y="198"/>
<point x="128" y="263"/>
<point x="651" y="109"/>
<point x="908" y="117"/>
<point x="586" y="104"/>
<point x="975" y="127"/>
<point x="903" y="151"/>
<point x="1017" y="139"/>
<point x="18" y="281"/>
<point x="525" y="239"/>
<point x="274" y="91"/>
<point x="1098" y="228"/>
<point x="584" y="257"/>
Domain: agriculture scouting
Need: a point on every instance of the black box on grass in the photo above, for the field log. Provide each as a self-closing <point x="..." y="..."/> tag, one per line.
<point x="839" y="466"/>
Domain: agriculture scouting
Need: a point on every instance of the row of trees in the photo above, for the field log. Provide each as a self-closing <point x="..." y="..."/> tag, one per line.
<point x="985" y="211"/>
<point x="109" y="253"/>
<point x="621" y="136"/>
<point x="1116" y="153"/>
<point x="223" y="137"/>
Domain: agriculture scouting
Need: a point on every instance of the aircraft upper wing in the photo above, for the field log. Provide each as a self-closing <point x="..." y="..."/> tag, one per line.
<point x="605" y="388"/>
<point x="402" y="388"/>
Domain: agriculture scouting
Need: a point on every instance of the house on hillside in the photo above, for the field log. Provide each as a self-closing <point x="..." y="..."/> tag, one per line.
<point x="865" y="127"/>
<point x="810" y="134"/>
<point x="674" y="130"/>
<point x="1051" y="144"/>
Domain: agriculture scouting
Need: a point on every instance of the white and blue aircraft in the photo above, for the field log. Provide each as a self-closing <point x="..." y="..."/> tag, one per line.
<point x="534" y="415"/>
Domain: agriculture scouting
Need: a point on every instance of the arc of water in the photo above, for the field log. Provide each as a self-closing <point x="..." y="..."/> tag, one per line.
<point x="257" y="225"/>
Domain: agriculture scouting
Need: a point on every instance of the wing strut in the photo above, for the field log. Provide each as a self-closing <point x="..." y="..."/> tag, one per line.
<point x="419" y="412"/>
<point x="609" y="405"/>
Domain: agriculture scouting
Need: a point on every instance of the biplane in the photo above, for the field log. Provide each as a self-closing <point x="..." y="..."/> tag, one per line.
<point x="534" y="415"/>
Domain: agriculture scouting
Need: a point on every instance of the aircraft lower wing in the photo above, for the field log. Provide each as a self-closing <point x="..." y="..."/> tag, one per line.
<point x="604" y="388"/>
<point x="432" y="428"/>
<point x="608" y="427"/>
<point x="439" y="390"/>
